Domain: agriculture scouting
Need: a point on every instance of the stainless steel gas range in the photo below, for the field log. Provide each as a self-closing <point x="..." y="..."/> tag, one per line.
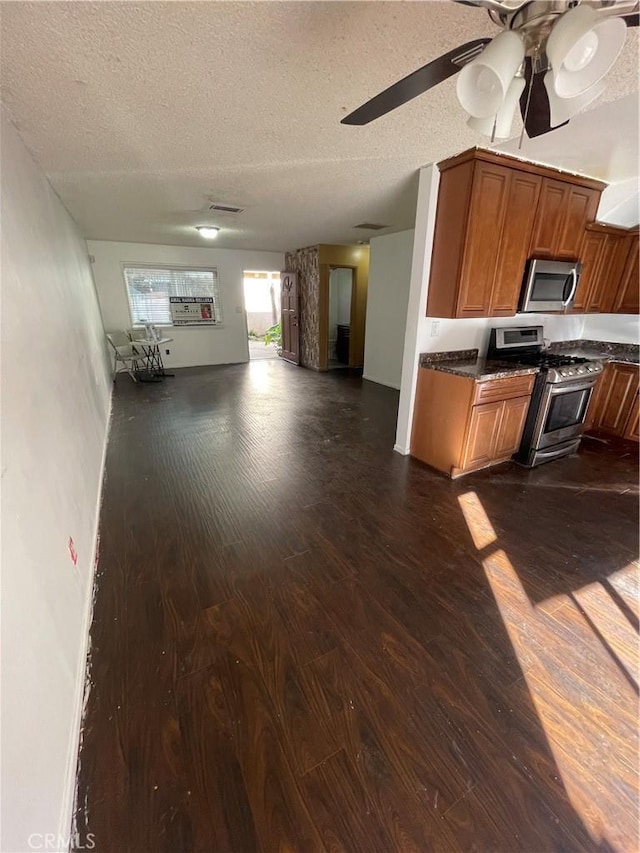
<point x="560" y="397"/>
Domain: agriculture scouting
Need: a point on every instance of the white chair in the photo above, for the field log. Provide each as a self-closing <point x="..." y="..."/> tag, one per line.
<point x="125" y="356"/>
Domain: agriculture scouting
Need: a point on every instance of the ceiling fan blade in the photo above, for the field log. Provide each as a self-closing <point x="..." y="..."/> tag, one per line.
<point x="417" y="83"/>
<point x="534" y="103"/>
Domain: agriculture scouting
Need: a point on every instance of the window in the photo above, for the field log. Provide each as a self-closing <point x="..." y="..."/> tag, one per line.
<point x="149" y="291"/>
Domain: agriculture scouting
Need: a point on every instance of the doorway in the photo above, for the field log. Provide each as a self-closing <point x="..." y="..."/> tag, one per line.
<point x="262" y="307"/>
<point x="339" y="326"/>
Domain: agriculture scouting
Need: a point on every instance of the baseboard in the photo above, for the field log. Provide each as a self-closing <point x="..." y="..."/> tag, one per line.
<point x="67" y="812"/>
<point x="380" y="382"/>
<point x="403" y="451"/>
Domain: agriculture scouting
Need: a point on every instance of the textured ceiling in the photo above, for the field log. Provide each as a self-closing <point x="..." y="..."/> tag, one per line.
<point x="142" y="112"/>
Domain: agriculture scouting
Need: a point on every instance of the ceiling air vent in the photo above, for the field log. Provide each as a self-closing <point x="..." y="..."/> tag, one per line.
<point x="226" y="208"/>
<point x="371" y="226"/>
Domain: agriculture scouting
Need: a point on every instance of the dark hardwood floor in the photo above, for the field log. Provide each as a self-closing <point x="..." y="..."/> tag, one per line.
<point x="303" y="641"/>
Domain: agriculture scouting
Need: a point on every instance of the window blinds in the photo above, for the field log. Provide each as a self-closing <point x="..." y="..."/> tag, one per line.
<point x="149" y="290"/>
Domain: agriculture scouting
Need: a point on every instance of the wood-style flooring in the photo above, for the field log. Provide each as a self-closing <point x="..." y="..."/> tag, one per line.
<point x="303" y="641"/>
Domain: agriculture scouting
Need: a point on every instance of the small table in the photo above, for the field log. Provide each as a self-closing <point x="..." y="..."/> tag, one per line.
<point x="153" y="364"/>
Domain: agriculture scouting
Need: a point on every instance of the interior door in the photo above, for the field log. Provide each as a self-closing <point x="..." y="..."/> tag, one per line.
<point x="290" y="317"/>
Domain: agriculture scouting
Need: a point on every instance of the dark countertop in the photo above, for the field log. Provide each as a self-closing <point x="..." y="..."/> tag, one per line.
<point x="602" y="350"/>
<point x="466" y="363"/>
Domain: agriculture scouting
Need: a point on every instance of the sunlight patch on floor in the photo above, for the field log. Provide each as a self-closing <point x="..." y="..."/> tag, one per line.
<point x="580" y="663"/>
<point x="480" y="527"/>
<point x="259" y="376"/>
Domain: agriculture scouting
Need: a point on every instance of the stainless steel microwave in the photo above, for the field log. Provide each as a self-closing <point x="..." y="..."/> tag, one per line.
<point x="549" y="286"/>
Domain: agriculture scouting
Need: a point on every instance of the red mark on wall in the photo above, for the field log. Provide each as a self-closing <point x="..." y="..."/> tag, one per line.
<point x="72" y="552"/>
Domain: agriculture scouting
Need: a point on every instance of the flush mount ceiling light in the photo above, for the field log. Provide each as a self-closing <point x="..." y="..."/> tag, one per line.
<point x="210" y="232"/>
<point x="577" y="43"/>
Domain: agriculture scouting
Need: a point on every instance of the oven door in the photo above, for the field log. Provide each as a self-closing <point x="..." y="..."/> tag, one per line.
<point x="549" y="286"/>
<point x="563" y="409"/>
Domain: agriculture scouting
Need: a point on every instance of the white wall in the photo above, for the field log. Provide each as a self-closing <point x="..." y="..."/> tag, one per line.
<point x="55" y="410"/>
<point x="474" y="333"/>
<point x="617" y="328"/>
<point x="620" y="204"/>
<point x="191" y="346"/>
<point x="387" y="300"/>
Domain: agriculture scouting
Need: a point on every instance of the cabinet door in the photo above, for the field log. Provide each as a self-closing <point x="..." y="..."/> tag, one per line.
<point x="581" y="206"/>
<point x="626" y="300"/>
<point x="482" y="435"/>
<point x="590" y="254"/>
<point x="511" y="425"/>
<point x="549" y="219"/>
<point x="632" y="429"/>
<point x="487" y="212"/>
<point x="610" y="270"/>
<point x="562" y="214"/>
<point x="618" y="394"/>
<point x="522" y="200"/>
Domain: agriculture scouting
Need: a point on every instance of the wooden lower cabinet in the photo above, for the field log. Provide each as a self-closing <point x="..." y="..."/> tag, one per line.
<point x="514" y="414"/>
<point x="456" y="432"/>
<point x="482" y="438"/>
<point x="632" y="429"/>
<point x="495" y="430"/>
<point x="614" y="408"/>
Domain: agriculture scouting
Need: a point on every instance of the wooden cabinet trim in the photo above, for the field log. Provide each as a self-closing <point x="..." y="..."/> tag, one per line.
<point x="522" y="166"/>
<point x="613" y="230"/>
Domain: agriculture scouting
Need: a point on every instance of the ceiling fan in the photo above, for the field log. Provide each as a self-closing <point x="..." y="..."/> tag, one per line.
<point x="551" y="57"/>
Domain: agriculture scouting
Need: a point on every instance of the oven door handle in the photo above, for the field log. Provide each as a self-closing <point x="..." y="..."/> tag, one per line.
<point x="566" y="387"/>
<point x="550" y="454"/>
<point x="574" y="286"/>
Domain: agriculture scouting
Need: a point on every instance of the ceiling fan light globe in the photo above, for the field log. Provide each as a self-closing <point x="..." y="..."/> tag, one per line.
<point x="563" y="109"/>
<point x="582" y="52"/>
<point x="503" y="121"/>
<point x="582" y="48"/>
<point x="482" y="84"/>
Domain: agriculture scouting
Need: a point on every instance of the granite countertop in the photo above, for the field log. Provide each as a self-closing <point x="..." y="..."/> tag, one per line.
<point x="602" y="350"/>
<point x="466" y="363"/>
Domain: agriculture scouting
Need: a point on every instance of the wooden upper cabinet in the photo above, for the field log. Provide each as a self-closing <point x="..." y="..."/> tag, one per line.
<point x="494" y="212"/>
<point x="627" y="298"/>
<point x="522" y="198"/>
<point x="554" y="199"/>
<point x="489" y="200"/>
<point x="581" y="208"/>
<point x="561" y="216"/>
<point x="591" y="254"/>
<point x="603" y="253"/>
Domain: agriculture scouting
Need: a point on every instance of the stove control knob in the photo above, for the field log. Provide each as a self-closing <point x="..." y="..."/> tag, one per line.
<point x="564" y="372"/>
<point x="590" y="368"/>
